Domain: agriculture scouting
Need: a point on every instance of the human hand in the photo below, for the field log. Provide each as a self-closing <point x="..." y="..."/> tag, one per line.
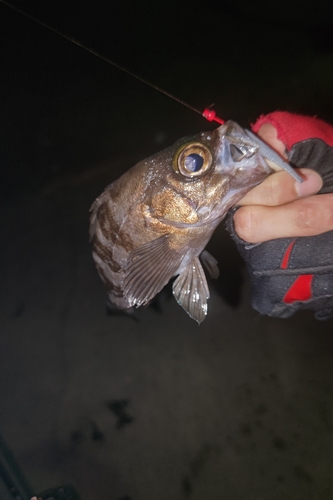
<point x="283" y="230"/>
<point x="282" y="207"/>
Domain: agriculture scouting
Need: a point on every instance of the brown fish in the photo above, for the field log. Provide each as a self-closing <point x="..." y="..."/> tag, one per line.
<point x="155" y="221"/>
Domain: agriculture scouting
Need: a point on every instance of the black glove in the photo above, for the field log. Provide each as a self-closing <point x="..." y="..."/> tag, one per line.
<point x="289" y="274"/>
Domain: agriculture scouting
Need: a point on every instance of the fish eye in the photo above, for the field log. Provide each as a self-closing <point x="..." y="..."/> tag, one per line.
<point x="192" y="160"/>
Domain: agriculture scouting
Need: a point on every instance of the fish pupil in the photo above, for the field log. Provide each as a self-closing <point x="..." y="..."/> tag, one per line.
<point x="193" y="162"/>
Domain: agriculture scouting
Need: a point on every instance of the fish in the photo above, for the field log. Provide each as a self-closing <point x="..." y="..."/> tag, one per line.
<point x="154" y="222"/>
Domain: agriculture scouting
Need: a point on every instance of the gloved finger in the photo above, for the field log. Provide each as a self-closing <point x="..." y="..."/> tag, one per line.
<point x="280" y="188"/>
<point x="303" y="217"/>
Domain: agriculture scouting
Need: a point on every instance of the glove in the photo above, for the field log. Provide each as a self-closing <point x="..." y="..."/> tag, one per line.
<point x="289" y="274"/>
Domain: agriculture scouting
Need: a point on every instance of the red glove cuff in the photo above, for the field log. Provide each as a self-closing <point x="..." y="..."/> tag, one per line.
<point x="293" y="128"/>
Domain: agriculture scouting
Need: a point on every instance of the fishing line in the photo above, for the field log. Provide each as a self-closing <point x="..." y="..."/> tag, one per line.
<point x="207" y="113"/>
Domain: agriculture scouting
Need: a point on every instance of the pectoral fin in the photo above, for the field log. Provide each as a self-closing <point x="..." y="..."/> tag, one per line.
<point x="191" y="291"/>
<point x="210" y="264"/>
<point x="148" y="270"/>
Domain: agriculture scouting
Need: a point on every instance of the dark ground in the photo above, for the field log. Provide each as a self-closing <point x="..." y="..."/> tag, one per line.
<point x="238" y="409"/>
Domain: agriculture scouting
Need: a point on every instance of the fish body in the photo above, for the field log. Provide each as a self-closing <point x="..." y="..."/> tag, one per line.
<point x="154" y="222"/>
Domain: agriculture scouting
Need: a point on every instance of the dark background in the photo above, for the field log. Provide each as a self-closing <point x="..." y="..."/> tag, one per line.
<point x="240" y="408"/>
<point x="64" y="110"/>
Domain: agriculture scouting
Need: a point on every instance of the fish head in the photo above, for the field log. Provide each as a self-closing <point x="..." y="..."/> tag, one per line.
<point x="198" y="179"/>
<point x="156" y="219"/>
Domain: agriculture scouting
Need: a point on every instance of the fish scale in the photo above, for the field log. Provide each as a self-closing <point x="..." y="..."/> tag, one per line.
<point x="154" y="222"/>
